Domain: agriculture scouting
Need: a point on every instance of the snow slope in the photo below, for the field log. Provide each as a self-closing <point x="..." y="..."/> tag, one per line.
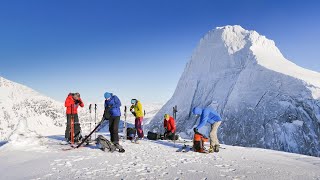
<point x="151" y="160"/>
<point x="19" y="103"/>
<point x="39" y="114"/>
<point x="265" y="100"/>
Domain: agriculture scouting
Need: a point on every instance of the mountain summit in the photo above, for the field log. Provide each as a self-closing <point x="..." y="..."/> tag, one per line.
<point x="265" y="100"/>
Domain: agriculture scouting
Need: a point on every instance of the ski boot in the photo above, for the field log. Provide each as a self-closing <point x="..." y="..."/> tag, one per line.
<point x="211" y="149"/>
<point x="119" y="147"/>
<point x="216" y="148"/>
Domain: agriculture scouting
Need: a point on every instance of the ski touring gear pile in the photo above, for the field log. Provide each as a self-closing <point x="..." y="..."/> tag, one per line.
<point x="198" y="142"/>
<point x="105" y="145"/>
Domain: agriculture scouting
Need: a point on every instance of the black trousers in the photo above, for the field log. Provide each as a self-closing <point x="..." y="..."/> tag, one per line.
<point x="113" y="128"/>
<point x="77" y="128"/>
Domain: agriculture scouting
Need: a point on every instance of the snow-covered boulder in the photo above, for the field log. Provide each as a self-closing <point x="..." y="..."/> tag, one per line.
<point x="264" y="99"/>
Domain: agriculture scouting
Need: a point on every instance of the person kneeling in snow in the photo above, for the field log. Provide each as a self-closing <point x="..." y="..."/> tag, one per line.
<point x="72" y="103"/>
<point x="137" y="111"/>
<point x="210" y="116"/>
<point x="170" y="127"/>
<point x="112" y="105"/>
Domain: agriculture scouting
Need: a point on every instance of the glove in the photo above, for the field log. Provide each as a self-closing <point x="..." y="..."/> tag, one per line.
<point x="76" y="101"/>
<point x="134" y="114"/>
<point x="195" y="130"/>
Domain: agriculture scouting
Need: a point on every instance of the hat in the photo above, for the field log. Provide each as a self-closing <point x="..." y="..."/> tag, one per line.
<point x="197" y="110"/>
<point x="107" y="95"/>
<point x="166" y="116"/>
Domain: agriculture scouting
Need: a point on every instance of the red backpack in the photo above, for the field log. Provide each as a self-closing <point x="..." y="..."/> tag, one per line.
<point x="198" y="142"/>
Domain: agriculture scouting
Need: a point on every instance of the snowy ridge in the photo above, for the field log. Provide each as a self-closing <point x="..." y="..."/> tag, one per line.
<point x="265" y="100"/>
<point x="42" y="114"/>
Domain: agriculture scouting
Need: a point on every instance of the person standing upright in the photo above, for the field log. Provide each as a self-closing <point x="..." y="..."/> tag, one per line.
<point x="73" y="101"/>
<point x="137" y="110"/>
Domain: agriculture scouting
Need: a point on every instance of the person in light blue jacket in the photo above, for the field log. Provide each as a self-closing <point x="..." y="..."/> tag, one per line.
<point x="208" y="115"/>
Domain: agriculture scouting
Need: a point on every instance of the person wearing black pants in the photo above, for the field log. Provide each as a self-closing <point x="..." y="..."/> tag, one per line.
<point x="113" y="128"/>
<point x="77" y="128"/>
<point x="112" y="113"/>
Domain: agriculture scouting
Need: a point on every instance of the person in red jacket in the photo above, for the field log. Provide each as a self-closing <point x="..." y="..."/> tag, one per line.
<point x="170" y="127"/>
<point x="72" y="103"/>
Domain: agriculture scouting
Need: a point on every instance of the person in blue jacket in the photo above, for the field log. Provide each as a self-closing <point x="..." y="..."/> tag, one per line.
<point x="208" y="115"/>
<point x="112" y="112"/>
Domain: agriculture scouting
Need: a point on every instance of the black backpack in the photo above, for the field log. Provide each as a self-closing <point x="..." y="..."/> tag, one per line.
<point x="104" y="144"/>
<point x="131" y="133"/>
<point x="153" y="136"/>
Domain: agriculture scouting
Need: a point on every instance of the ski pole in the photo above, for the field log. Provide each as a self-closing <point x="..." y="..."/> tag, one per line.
<point x="95" y="119"/>
<point x="72" y="126"/>
<point x="90" y="116"/>
<point x="125" y="123"/>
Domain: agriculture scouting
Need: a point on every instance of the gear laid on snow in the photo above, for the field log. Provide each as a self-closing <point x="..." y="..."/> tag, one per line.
<point x="104" y="144"/>
<point x="198" y="142"/>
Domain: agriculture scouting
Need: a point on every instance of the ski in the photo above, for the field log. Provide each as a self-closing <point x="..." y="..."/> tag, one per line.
<point x="85" y="139"/>
<point x="184" y="148"/>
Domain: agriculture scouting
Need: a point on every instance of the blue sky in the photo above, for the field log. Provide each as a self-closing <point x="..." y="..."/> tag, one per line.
<point x="137" y="48"/>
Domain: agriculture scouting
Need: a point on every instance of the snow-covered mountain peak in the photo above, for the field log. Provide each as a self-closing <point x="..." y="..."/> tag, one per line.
<point x="264" y="99"/>
<point x="229" y="48"/>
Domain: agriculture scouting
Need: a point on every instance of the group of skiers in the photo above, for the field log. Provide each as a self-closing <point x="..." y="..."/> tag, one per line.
<point x="112" y="113"/>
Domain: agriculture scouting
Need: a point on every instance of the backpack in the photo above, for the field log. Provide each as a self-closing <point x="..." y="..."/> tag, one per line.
<point x="198" y="142"/>
<point x="131" y="133"/>
<point x="153" y="136"/>
<point x="104" y="144"/>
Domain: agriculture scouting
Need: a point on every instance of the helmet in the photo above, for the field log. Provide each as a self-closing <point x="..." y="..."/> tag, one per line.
<point x="166" y="116"/>
<point x="133" y="101"/>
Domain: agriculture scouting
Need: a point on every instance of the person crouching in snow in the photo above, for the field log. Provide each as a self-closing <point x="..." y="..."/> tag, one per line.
<point x="169" y="126"/>
<point x="72" y="103"/>
<point x="112" y="104"/>
<point x="208" y="115"/>
<point x="137" y="111"/>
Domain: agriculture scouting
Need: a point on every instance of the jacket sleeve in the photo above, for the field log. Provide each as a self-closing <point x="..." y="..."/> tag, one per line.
<point x="131" y="107"/>
<point x="81" y="102"/>
<point x="164" y="123"/>
<point x="173" y="125"/>
<point x="117" y="102"/>
<point x="68" y="102"/>
<point x="203" y="120"/>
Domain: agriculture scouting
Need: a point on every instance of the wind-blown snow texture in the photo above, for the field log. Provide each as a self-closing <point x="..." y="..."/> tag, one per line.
<point x="265" y="100"/>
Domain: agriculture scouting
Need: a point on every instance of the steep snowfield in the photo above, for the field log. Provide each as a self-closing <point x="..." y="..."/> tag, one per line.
<point x="265" y="100"/>
<point x="151" y="160"/>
